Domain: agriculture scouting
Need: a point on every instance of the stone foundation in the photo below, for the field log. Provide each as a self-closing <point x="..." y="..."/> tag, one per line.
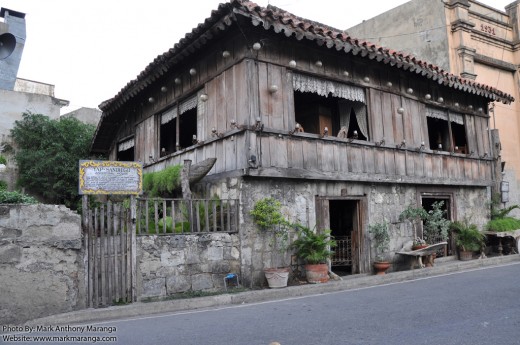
<point x="181" y="263"/>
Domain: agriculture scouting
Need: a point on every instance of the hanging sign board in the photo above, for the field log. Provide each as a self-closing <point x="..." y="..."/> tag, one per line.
<point x="110" y="177"/>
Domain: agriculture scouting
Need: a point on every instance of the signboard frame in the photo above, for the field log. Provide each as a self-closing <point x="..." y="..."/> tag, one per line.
<point x="98" y="177"/>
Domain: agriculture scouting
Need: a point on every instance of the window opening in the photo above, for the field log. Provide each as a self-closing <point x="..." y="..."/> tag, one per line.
<point x="446" y="132"/>
<point x="168" y="136"/>
<point x="439" y="134"/>
<point x="187" y="127"/>
<point x="125" y="150"/>
<point x="187" y="121"/>
<point x="459" y="138"/>
<point x="343" y="118"/>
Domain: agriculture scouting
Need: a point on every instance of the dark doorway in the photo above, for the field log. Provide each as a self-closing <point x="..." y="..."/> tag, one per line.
<point x="427" y="204"/>
<point x="345" y="225"/>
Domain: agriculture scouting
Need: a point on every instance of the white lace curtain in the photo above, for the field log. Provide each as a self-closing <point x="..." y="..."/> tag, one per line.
<point x="360" y="110"/>
<point x="125" y="145"/>
<point x="443" y="115"/>
<point x="324" y="87"/>
<point x="187" y="104"/>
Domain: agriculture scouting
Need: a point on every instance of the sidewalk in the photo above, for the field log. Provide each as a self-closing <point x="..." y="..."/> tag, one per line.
<point x="139" y="309"/>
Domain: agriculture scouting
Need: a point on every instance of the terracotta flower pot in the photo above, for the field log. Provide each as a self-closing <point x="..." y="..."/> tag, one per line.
<point x="419" y="246"/>
<point x="381" y="267"/>
<point x="317" y="273"/>
<point x="465" y="255"/>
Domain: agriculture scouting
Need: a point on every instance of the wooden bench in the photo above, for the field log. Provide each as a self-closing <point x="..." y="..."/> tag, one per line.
<point x="427" y="252"/>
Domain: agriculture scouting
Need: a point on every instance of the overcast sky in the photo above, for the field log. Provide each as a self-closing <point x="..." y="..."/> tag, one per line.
<point x="91" y="49"/>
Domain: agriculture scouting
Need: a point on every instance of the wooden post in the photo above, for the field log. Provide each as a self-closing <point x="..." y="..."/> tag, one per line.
<point x="133" y="210"/>
<point x="185" y="180"/>
<point x="186" y="191"/>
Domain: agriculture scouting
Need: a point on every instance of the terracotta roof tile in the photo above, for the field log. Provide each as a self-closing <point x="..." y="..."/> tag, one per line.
<point x="273" y="16"/>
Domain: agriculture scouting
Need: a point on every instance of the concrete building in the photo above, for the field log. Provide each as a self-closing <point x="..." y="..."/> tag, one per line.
<point x="90" y="116"/>
<point x="470" y="39"/>
<point x="17" y="95"/>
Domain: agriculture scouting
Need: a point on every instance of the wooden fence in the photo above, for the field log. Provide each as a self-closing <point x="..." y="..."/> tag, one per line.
<point x="179" y="216"/>
<point x="110" y="244"/>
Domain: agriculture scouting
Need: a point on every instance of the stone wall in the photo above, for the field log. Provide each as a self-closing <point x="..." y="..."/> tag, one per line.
<point x="41" y="262"/>
<point x="179" y="263"/>
<point x="384" y="203"/>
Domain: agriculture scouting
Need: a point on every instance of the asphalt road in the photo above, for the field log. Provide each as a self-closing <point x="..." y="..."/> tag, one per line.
<point x="473" y="307"/>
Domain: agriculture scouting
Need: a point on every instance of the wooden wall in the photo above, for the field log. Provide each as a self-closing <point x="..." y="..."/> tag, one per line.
<point x="299" y="156"/>
<point x="238" y="89"/>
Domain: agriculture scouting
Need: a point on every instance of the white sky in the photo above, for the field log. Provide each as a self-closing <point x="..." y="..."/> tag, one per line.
<point x="91" y="49"/>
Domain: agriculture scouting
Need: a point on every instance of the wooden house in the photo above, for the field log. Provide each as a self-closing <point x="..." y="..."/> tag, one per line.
<point x="343" y="132"/>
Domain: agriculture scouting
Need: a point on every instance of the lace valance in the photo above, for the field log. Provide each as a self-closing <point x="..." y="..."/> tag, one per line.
<point x="443" y="115"/>
<point x="324" y="87"/>
<point x="188" y="104"/>
<point x="168" y="115"/>
<point x="125" y="145"/>
<point x="457" y="118"/>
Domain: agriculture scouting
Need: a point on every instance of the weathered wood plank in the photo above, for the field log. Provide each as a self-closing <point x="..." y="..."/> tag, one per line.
<point x="471" y="134"/>
<point x="230" y="95"/>
<point x="310" y="155"/>
<point x="326" y="153"/>
<point x="230" y="153"/>
<point x="241" y="91"/>
<point x="356" y="161"/>
<point x="437" y="166"/>
<point x="376" y="118"/>
<point x="410" y="163"/>
<point x="387" y="111"/>
<point x="278" y="152"/>
<point x="274" y="172"/>
<point x="419" y="165"/>
<point x="263" y="93"/>
<point x="475" y="168"/>
<point x="276" y="107"/>
<point x="400" y="163"/>
<point x="379" y="160"/>
<point x="343" y="158"/>
<point x="390" y="167"/>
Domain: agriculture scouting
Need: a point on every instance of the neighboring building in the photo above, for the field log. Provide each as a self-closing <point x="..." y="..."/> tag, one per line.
<point x="470" y="39"/>
<point x="17" y="95"/>
<point x="90" y="116"/>
<point x="342" y="132"/>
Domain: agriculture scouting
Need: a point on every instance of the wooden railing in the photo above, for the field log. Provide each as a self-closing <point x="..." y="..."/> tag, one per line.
<point x="179" y="216"/>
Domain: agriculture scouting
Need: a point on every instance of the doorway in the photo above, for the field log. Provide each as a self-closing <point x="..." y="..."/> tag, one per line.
<point x="427" y="203"/>
<point x="344" y="218"/>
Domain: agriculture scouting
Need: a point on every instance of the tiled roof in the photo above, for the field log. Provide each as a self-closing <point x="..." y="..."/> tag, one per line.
<point x="283" y="22"/>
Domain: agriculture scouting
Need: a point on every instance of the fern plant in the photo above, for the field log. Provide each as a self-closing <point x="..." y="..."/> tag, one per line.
<point x="500" y="219"/>
<point x="468" y="237"/>
<point x="313" y="247"/>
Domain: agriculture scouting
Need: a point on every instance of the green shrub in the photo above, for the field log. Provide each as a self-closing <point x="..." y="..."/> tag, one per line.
<point x="3" y="160"/>
<point x="16" y="197"/>
<point x="3" y="185"/>
<point x="162" y="183"/>
<point x="503" y="224"/>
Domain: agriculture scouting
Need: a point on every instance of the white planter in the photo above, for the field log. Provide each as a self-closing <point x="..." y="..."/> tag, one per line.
<point x="277" y="277"/>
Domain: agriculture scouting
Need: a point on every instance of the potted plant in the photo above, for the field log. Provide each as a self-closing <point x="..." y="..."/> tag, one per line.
<point x="267" y="215"/>
<point x="436" y="226"/>
<point x="419" y="243"/>
<point x="415" y="215"/>
<point x="382" y="244"/>
<point x="468" y="239"/>
<point x="314" y="248"/>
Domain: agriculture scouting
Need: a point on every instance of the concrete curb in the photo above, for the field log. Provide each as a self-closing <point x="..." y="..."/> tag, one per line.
<point x="141" y="309"/>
